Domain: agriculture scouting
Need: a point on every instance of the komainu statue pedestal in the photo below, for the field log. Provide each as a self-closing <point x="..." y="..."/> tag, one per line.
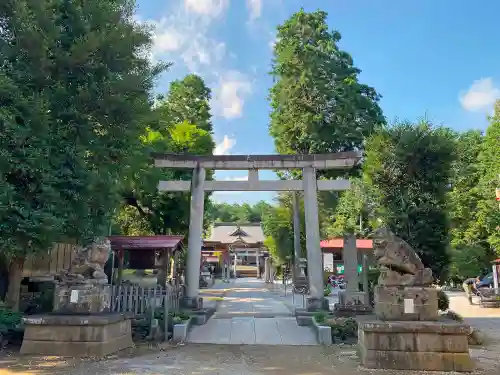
<point x="82" y="324"/>
<point x="408" y="333"/>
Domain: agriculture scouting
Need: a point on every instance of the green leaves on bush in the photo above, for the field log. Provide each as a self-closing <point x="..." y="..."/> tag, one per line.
<point x="443" y="301"/>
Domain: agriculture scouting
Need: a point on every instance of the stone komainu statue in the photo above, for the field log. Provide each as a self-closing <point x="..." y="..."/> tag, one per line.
<point x="87" y="266"/>
<point x="400" y="265"/>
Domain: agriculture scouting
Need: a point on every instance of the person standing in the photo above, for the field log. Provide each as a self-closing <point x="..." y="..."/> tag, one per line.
<point x="469" y="286"/>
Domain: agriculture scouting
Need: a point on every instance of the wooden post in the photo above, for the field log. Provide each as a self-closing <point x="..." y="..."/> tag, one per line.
<point x="120" y="266"/>
<point x="165" y="315"/>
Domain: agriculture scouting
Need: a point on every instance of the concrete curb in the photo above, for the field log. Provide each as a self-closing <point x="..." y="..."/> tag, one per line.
<point x="181" y="331"/>
<point x="323" y="333"/>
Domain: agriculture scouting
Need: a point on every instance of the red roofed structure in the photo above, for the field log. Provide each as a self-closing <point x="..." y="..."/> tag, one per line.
<point x="145" y="252"/>
<point x="337" y="244"/>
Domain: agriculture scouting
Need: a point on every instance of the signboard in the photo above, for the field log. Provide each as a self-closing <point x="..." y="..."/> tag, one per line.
<point x="409" y="306"/>
<point x="340" y="269"/>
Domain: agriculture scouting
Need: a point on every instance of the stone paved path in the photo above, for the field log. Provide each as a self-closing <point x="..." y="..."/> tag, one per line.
<point x="195" y="359"/>
<point x="251" y="314"/>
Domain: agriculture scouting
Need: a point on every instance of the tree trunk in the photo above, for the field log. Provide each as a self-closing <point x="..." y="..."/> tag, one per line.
<point x="15" y="278"/>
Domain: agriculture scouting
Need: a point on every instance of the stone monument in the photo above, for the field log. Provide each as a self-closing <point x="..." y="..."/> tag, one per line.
<point x="351" y="300"/>
<point x="409" y="334"/>
<point x="82" y="324"/>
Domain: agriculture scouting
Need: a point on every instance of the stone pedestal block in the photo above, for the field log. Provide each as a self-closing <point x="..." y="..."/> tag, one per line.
<point x="353" y="298"/>
<point x="195" y="303"/>
<point x="424" y="346"/>
<point x="76" y="336"/>
<point x="315" y="304"/>
<point x="82" y="299"/>
<point x="406" y="303"/>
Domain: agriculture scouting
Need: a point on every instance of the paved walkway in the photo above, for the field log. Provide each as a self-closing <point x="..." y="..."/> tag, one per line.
<point x="251" y="314"/>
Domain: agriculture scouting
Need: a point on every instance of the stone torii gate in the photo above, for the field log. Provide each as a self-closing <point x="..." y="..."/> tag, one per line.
<point x="309" y="185"/>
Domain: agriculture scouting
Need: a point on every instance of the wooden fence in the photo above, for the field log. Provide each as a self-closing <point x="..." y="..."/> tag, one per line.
<point x="57" y="259"/>
<point x="139" y="300"/>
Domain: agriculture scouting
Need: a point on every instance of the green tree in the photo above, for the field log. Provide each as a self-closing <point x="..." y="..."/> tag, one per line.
<point x="75" y="85"/>
<point x="487" y="218"/>
<point x="236" y="213"/>
<point x="355" y="212"/>
<point x="278" y="227"/>
<point x="187" y="100"/>
<point x="410" y="166"/>
<point x="318" y="104"/>
<point x="470" y="254"/>
<point x="165" y="212"/>
<point x="464" y="193"/>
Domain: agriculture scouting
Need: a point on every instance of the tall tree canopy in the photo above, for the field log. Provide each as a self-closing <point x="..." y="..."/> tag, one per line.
<point x="187" y="100"/>
<point x="318" y="104"/>
<point x="238" y="213"/>
<point x="171" y="128"/>
<point x="410" y="167"/>
<point x="74" y="88"/>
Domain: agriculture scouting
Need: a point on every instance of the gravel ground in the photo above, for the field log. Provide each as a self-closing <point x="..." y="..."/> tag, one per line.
<point x="224" y="359"/>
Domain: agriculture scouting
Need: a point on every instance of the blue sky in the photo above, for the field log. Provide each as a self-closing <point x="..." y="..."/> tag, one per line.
<point x="438" y="59"/>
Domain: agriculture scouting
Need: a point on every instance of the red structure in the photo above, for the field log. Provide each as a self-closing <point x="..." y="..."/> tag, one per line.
<point x="332" y="252"/>
<point x="145" y="252"/>
<point x="335" y="245"/>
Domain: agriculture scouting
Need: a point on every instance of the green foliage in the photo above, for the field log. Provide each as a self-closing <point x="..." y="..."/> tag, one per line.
<point x="343" y="328"/>
<point x="74" y="86"/>
<point x="468" y="261"/>
<point x="146" y="210"/>
<point x="355" y="212"/>
<point x="320" y="317"/>
<point x="443" y="301"/>
<point x="187" y="100"/>
<point x="318" y="104"/>
<point x="487" y="217"/>
<point x="277" y="225"/>
<point x="327" y="290"/>
<point x="238" y="213"/>
<point x="11" y="328"/>
<point x="410" y="167"/>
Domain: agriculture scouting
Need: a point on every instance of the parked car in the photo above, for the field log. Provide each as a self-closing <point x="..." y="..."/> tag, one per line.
<point x="486" y="282"/>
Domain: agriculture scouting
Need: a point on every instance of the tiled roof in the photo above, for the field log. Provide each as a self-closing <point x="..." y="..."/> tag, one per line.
<point x="228" y="233"/>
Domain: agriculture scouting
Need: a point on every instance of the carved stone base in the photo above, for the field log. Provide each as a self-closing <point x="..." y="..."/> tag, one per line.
<point x="421" y="303"/>
<point x="76" y="336"/>
<point x="82" y="299"/>
<point x="421" y="346"/>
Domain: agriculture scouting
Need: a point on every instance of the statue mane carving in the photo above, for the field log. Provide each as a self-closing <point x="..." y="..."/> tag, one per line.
<point x="400" y="265"/>
<point x="87" y="267"/>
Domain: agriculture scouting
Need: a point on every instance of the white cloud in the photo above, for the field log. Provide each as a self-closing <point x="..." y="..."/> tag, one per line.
<point x="212" y="8"/>
<point x="184" y="36"/>
<point x="224" y="147"/>
<point x="255" y="8"/>
<point x="236" y="178"/>
<point x="480" y="96"/>
<point x="230" y="95"/>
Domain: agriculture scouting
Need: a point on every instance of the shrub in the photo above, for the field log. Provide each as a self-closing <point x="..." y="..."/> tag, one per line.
<point x="11" y="328"/>
<point x="343" y="328"/>
<point x="320" y="317"/>
<point x="327" y="291"/>
<point x="443" y="301"/>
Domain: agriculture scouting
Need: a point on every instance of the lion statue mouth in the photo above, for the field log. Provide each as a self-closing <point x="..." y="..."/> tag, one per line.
<point x="399" y="263"/>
